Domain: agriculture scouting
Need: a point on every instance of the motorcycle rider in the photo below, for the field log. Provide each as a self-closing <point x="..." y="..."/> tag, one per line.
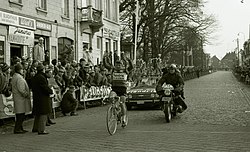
<point x="174" y="78"/>
<point x="119" y="86"/>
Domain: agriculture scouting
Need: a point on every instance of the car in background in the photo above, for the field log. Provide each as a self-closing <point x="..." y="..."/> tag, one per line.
<point x="143" y="93"/>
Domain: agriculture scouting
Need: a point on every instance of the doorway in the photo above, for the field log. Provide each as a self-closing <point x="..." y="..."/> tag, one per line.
<point x="15" y="50"/>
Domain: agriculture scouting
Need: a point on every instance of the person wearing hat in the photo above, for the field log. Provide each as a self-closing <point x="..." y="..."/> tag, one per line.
<point x="38" y="53"/>
<point x="69" y="104"/>
<point x="21" y="98"/>
<point x="41" y="100"/>
<point x="6" y="81"/>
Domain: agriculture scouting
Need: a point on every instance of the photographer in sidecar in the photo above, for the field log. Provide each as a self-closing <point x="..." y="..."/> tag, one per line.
<point x="174" y="78"/>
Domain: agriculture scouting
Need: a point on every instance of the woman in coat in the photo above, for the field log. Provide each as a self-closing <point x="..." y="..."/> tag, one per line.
<point x="21" y="98"/>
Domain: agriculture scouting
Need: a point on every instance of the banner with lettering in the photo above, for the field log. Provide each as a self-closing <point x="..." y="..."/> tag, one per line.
<point x="16" y="20"/>
<point x="21" y="36"/>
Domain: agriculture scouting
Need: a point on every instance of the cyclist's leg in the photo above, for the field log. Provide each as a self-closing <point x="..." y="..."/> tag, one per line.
<point x="123" y="105"/>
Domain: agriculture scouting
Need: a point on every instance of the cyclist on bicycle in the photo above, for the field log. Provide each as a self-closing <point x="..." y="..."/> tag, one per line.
<point x="119" y="86"/>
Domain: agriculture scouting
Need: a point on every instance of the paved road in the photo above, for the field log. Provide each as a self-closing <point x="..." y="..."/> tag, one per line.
<point x="216" y="120"/>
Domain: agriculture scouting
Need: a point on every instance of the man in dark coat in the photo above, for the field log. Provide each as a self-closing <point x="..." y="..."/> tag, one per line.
<point x="41" y="100"/>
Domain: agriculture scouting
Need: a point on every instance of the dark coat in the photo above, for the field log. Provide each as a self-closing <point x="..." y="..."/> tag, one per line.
<point x="41" y="94"/>
<point x="68" y="103"/>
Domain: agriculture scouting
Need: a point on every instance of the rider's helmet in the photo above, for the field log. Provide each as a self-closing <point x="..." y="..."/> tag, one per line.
<point x="172" y="68"/>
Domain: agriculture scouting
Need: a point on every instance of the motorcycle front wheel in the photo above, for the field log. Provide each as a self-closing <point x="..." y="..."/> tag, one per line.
<point x="167" y="112"/>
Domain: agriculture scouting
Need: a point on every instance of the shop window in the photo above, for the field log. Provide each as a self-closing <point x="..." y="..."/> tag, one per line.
<point x="65" y="49"/>
<point x="2" y="40"/>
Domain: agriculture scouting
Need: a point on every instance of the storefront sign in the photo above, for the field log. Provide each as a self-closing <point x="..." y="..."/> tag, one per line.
<point x="43" y="26"/>
<point x="11" y="19"/>
<point x="107" y="33"/>
<point x="21" y="36"/>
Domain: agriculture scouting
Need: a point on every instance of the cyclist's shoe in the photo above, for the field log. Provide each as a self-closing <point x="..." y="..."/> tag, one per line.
<point x="124" y="124"/>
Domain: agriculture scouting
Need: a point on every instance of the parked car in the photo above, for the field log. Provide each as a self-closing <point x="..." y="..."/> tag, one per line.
<point x="143" y="93"/>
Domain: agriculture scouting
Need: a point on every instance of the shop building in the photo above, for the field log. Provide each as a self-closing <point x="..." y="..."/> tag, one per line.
<point x="23" y="22"/>
<point x="65" y="25"/>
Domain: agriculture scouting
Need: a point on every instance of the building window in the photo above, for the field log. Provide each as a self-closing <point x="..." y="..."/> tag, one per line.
<point x="64" y="49"/>
<point x="85" y="3"/>
<point x="66" y="8"/>
<point x="98" y="4"/>
<point x="16" y="1"/>
<point x="107" y="9"/>
<point x="99" y="43"/>
<point x="42" y="4"/>
<point x="115" y="10"/>
<point x="115" y="46"/>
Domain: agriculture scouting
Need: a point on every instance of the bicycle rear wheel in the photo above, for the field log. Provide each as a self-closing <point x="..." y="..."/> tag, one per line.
<point x="111" y="120"/>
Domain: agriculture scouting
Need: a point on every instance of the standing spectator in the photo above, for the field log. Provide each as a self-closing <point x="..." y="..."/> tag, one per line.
<point x="49" y="76"/>
<point x="127" y="63"/>
<point x="6" y="73"/>
<point x="98" y="76"/>
<point x="25" y="65"/>
<point x="69" y="104"/>
<point x="107" y="61"/>
<point x="87" y="56"/>
<point x="56" y="69"/>
<point x="46" y="58"/>
<point x="116" y="57"/>
<point x="41" y="100"/>
<point x="38" y="53"/>
<point x="21" y="98"/>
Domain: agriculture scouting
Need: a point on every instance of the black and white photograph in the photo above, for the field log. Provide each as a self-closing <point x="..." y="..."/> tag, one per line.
<point x="124" y="76"/>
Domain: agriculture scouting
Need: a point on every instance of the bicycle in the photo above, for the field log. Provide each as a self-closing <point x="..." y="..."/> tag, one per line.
<point x="114" y="114"/>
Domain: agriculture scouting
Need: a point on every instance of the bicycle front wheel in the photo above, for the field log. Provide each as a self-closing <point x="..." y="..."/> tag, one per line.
<point x="111" y="120"/>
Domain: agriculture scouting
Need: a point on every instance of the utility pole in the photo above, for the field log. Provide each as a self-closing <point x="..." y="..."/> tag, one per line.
<point x="136" y="22"/>
<point x="238" y="51"/>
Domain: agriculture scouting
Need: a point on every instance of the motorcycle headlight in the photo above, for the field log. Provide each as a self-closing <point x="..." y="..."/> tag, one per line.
<point x="130" y="96"/>
<point x="152" y="95"/>
<point x="167" y="92"/>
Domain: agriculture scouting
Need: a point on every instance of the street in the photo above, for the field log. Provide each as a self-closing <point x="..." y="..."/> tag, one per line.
<point x="217" y="119"/>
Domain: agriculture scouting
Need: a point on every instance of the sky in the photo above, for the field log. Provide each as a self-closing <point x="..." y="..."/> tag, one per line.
<point x="233" y="19"/>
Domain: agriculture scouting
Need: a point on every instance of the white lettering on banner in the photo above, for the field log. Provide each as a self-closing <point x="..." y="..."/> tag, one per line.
<point x="21" y="36"/>
<point x="120" y="76"/>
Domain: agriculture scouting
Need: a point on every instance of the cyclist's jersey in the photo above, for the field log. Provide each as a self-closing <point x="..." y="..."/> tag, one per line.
<point x="119" y="78"/>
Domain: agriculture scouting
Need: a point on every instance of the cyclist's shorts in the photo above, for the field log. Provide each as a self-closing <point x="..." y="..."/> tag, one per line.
<point x="120" y="91"/>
